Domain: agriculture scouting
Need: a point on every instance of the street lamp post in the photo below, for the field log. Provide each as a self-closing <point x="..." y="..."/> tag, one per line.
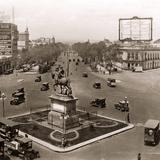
<point x="67" y="63"/>
<point x="3" y="96"/>
<point x="64" y="130"/>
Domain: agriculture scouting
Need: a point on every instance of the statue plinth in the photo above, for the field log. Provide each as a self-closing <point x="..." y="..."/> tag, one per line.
<point x="63" y="111"/>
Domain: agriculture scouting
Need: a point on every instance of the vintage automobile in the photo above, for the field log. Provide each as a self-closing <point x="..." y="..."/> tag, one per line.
<point x="97" y="85"/>
<point x="123" y="106"/>
<point x="151" y="132"/>
<point x="111" y="82"/>
<point x="19" y="90"/>
<point x="21" y="147"/>
<point x="85" y="74"/>
<point x="45" y="86"/>
<point x="137" y="69"/>
<point x="15" y="144"/>
<point x="99" y="103"/>
<point x="9" y="71"/>
<point x="8" y="129"/>
<point x="53" y="75"/>
<point x="38" y="79"/>
<point x="18" y="98"/>
<point x="43" y="68"/>
<point x="1" y="147"/>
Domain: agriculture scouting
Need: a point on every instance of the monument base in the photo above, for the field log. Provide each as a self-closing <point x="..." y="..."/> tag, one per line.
<point x="63" y="121"/>
<point x="63" y="112"/>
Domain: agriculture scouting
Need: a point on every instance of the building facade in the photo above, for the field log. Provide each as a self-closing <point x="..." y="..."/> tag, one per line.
<point x="23" y="40"/>
<point x="42" y="41"/>
<point x="146" y="57"/>
<point x="8" y="45"/>
<point x="8" y="39"/>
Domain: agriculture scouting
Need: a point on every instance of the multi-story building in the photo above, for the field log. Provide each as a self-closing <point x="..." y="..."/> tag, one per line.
<point x="23" y="40"/>
<point x="42" y="41"/>
<point x="8" y="44"/>
<point x="146" y="56"/>
<point x="8" y="39"/>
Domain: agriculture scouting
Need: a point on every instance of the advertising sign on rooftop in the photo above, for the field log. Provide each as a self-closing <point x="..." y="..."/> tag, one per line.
<point x="135" y="29"/>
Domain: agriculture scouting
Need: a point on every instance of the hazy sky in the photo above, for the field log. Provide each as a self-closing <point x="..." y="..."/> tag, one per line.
<point x="79" y="20"/>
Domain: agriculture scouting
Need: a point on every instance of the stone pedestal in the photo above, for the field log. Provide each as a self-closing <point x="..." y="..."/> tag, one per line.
<point x="63" y="112"/>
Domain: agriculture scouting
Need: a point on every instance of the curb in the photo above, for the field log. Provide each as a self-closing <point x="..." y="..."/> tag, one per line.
<point x="68" y="149"/>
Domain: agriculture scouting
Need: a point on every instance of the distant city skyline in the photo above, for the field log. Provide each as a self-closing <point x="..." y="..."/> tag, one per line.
<point x="79" y="20"/>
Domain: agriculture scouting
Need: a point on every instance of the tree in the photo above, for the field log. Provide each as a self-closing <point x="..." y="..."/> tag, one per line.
<point x="42" y="53"/>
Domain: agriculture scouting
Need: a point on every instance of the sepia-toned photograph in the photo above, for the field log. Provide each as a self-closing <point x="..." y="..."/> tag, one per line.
<point x="79" y="80"/>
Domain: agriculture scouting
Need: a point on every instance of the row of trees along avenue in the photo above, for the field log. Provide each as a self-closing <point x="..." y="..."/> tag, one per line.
<point x="97" y="51"/>
<point x="40" y="54"/>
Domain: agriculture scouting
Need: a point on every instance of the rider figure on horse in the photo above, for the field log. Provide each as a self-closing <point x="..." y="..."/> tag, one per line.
<point x="62" y="83"/>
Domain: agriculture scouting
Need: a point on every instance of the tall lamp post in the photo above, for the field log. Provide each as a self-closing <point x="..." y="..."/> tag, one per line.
<point x="63" y="142"/>
<point x="3" y="96"/>
<point x="67" y="63"/>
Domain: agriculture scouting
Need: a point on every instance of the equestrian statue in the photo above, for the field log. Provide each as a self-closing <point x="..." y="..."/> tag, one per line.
<point x="62" y="83"/>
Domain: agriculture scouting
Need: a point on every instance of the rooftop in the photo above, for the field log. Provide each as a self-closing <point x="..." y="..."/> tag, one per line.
<point x="8" y="122"/>
<point x="151" y="123"/>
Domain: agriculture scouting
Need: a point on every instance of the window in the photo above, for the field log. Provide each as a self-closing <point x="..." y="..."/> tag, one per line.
<point x="128" y="55"/>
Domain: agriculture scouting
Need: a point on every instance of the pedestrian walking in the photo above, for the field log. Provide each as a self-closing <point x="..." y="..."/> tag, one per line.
<point x="139" y="156"/>
<point x="128" y="117"/>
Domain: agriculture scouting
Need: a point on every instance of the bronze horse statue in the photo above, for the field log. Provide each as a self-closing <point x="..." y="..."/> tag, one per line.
<point x="64" y="86"/>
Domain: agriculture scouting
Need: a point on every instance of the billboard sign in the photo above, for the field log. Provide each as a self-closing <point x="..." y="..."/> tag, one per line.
<point x="135" y="29"/>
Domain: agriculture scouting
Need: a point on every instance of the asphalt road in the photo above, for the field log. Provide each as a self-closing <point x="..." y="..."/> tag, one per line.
<point x="142" y="90"/>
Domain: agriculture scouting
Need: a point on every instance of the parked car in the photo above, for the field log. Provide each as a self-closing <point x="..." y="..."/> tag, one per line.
<point x="52" y="75"/>
<point x="45" y="86"/>
<point x="137" y="69"/>
<point x="111" y="82"/>
<point x="9" y="71"/>
<point x="1" y="148"/>
<point x="38" y="79"/>
<point x="99" y="102"/>
<point x="97" y="85"/>
<point x="122" y="106"/>
<point x="18" y="98"/>
<point x="19" y="90"/>
<point x="85" y="74"/>
<point x="151" y="132"/>
<point x="22" y="147"/>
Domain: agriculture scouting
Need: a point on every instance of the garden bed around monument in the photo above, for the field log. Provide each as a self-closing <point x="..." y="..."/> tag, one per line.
<point x="90" y="130"/>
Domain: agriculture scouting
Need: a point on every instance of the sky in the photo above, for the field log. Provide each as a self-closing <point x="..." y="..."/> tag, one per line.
<point x="79" y="20"/>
